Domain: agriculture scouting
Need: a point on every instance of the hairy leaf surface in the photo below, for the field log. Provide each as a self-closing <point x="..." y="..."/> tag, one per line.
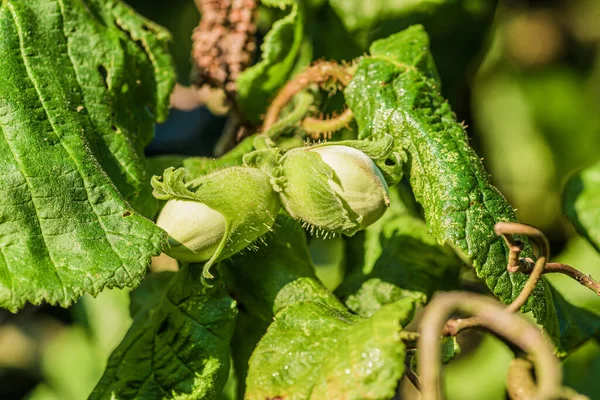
<point x="280" y="50"/>
<point x="279" y="274"/>
<point x="582" y="203"/>
<point x="396" y="91"/>
<point x="81" y="83"/>
<point x="314" y="348"/>
<point x="317" y="352"/>
<point x="458" y="30"/>
<point x="178" y="348"/>
<point x="401" y="260"/>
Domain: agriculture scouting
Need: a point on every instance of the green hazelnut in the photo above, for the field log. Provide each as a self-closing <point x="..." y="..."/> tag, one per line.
<point x="217" y="215"/>
<point x="333" y="188"/>
<point x="195" y="230"/>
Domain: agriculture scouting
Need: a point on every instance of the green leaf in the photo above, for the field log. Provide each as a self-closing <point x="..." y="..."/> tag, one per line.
<point x="458" y="30"/>
<point x="571" y="326"/>
<point x="265" y="281"/>
<point x="396" y="92"/>
<point x="408" y="264"/>
<point x="278" y="274"/>
<point x="149" y="294"/>
<point x="280" y="50"/>
<point x="582" y="203"/>
<point x="178" y="348"/>
<point x="314" y="351"/>
<point x="73" y="124"/>
<point x="400" y="260"/>
<point x="314" y="344"/>
<point x="120" y="88"/>
<point x="448" y="179"/>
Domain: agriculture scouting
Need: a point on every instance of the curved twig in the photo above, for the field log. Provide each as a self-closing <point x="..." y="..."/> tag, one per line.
<point x="514" y="228"/>
<point x="565" y="269"/>
<point x="318" y="73"/>
<point x="303" y="102"/>
<point x="494" y="317"/>
<point x="521" y="384"/>
<point x="454" y="326"/>
<point x="527" y="266"/>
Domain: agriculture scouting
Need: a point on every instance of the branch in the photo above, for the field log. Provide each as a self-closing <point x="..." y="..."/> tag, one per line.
<point x="454" y="326"/>
<point x="521" y="384"/>
<point x="493" y="316"/>
<point x="506" y="229"/>
<point x="318" y="127"/>
<point x="527" y="266"/>
<point x="560" y="268"/>
<point x="319" y="73"/>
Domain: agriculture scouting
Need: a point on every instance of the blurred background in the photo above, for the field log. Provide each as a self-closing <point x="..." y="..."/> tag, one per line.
<point x="525" y="78"/>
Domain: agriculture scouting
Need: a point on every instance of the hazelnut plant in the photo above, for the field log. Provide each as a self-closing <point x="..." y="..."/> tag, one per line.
<point x="83" y="81"/>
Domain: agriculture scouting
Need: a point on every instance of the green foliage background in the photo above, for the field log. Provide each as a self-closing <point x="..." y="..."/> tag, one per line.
<point x="530" y="93"/>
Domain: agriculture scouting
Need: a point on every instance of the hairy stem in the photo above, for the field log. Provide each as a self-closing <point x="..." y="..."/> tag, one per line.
<point x="317" y="126"/>
<point x="493" y="316"/>
<point x="319" y="73"/>
<point x="303" y="103"/>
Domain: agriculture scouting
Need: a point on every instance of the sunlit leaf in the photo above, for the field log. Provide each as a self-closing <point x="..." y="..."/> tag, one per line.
<point x="314" y="351"/>
<point x="279" y="51"/>
<point x="178" y="347"/>
<point x="81" y="84"/>
<point x="396" y="91"/>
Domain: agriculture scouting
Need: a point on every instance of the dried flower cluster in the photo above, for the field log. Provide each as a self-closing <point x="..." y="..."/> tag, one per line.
<point x="223" y="42"/>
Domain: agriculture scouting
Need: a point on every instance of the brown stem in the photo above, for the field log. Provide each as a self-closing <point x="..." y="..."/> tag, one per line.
<point x="454" y="326"/>
<point x="521" y="384"/>
<point x="493" y="316"/>
<point x="318" y="73"/>
<point x="560" y="268"/>
<point x="513" y="228"/>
